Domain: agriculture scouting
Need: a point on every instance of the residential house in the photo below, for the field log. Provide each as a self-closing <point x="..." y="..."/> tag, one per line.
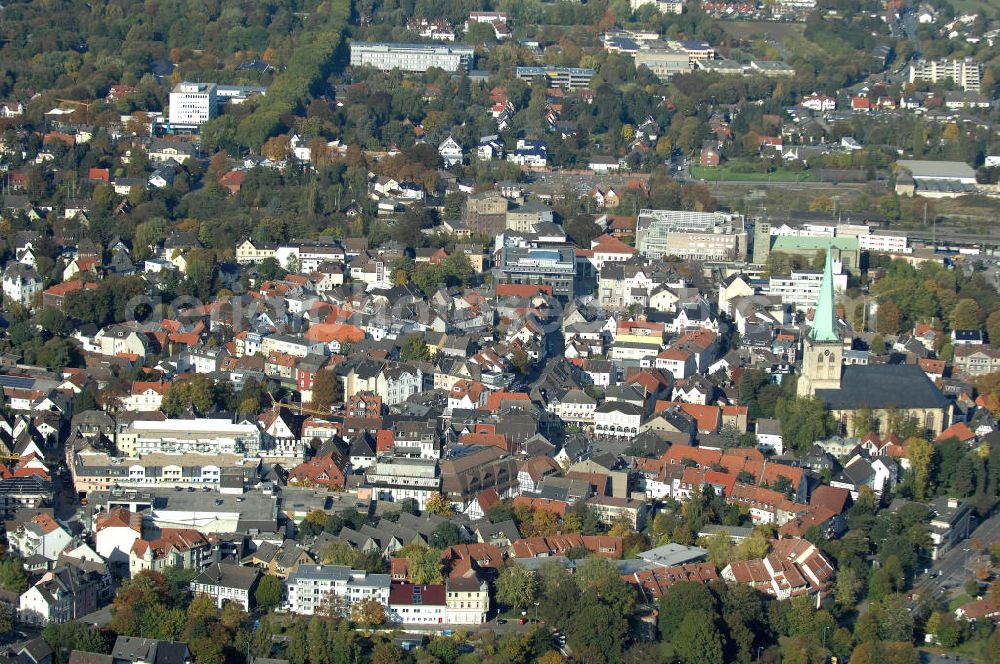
<point x="225" y="582"/>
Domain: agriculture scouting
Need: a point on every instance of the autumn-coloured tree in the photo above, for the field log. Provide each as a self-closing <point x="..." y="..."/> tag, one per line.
<point x="277" y="148"/>
<point x="368" y="612"/>
<point x="326" y="391"/>
<point x="440" y="505"/>
<point x="921" y="455"/>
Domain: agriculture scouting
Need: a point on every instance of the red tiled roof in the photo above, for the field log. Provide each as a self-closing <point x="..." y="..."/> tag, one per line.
<point x="428" y="595"/>
<point x="958" y="430"/>
<point x="522" y="290"/>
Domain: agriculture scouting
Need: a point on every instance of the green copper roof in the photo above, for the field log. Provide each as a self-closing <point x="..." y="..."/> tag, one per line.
<point x="824" y="326"/>
<point x="809" y="243"/>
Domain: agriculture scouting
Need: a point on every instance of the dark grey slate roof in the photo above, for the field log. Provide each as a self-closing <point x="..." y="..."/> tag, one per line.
<point x="883" y="386"/>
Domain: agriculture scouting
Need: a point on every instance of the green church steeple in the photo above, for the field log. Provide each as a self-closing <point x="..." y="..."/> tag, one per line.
<point x="824" y="327"/>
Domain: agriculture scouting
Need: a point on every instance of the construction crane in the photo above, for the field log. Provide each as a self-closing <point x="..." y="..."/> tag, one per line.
<point x="300" y="407"/>
<point x="85" y="104"/>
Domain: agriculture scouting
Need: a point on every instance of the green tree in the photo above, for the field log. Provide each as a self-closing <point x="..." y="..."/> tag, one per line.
<point x="457" y="269"/>
<point x="878" y="344"/>
<point x="12" y="575"/>
<point x="74" y="635"/>
<point x="425" y="566"/>
<point x="338" y="553"/>
<point x="269" y="592"/>
<point x="698" y="639"/>
<point x="517" y="586"/>
<point x="678" y="600"/>
<point x="414" y="348"/>
<point x="993" y="328"/>
<point x="965" y="315"/>
<point x="804" y="420"/>
<point x="582" y="229"/>
<point x="6" y="622"/>
<point x="445" y="535"/>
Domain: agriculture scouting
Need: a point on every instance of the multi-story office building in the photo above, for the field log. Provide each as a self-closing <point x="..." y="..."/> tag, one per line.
<point x="691" y="235"/>
<point x="965" y="73"/>
<point x="411" y="57"/>
<point x="551" y="266"/>
<point x="333" y="588"/>
<point x="570" y="78"/>
<point x="193" y="103"/>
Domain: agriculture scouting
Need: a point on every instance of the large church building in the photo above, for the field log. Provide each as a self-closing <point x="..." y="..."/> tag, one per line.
<point x="883" y="388"/>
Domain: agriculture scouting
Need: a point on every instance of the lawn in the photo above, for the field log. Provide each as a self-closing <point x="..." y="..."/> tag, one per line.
<point x="964" y="598"/>
<point x="983" y="6"/>
<point x="727" y="174"/>
<point x="775" y="30"/>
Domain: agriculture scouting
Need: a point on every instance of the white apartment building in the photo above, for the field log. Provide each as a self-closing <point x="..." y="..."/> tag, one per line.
<point x="291" y="344"/>
<point x="193" y="103"/>
<point x="965" y="73"/>
<point x="411" y="604"/>
<point x="397" y="478"/>
<point x="313" y="588"/>
<point x="42" y="536"/>
<point x="663" y="6"/>
<point x="575" y="406"/>
<point x="97" y="471"/>
<point x="411" y="57"/>
<point x="800" y="288"/>
<point x="617" y="419"/>
<point x="887" y="244"/>
<point x="203" y="435"/>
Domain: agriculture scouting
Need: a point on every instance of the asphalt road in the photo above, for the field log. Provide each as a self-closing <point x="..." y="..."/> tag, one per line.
<point x="949" y="574"/>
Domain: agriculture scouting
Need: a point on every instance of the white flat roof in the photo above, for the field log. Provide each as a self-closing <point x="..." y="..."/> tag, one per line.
<point x="942" y="170"/>
<point x="200" y="425"/>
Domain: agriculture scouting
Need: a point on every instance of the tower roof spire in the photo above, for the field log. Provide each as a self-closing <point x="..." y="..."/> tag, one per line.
<point x="824" y="327"/>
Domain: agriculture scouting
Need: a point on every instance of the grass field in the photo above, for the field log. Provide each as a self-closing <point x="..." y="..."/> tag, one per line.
<point x="987" y="7"/>
<point x="727" y="174"/>
<point x="773" y="29"/>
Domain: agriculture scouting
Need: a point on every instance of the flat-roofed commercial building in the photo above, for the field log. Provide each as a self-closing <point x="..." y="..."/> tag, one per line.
<point x="692" y="235"/>
<point x="551" y="266"/>
<point x="411" y="57"/>
<point x="664" y="62"/>
<point x="570" y="78"/>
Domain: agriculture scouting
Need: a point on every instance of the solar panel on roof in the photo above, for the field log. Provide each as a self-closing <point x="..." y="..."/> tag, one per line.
<point x="17" y="382"/>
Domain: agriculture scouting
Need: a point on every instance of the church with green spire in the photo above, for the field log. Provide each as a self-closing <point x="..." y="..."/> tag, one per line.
<point x="887" y="390"/>
<point x="823" y="349"/>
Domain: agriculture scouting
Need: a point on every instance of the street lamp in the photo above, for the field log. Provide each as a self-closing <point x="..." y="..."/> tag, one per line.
<point x="759" y="648"/>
